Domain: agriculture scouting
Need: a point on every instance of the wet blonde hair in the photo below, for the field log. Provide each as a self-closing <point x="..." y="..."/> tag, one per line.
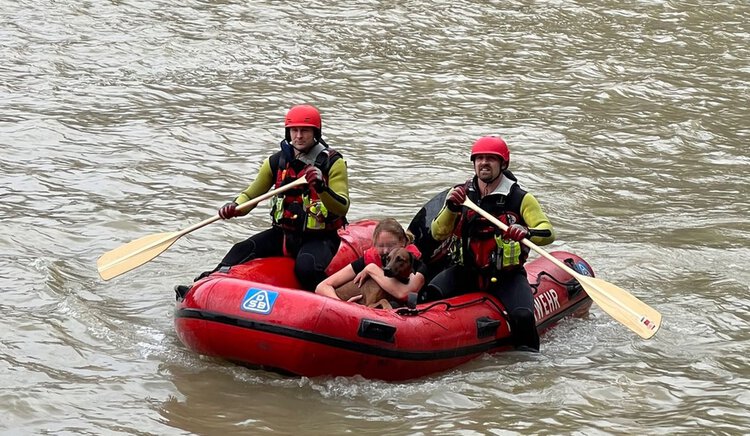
<point x="392" y="226"/>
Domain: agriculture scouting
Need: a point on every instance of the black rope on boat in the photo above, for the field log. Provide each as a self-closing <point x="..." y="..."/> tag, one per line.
<point x="448" y="306"/>
<point x="572" y="285"/>
<point x="551" y="277"/>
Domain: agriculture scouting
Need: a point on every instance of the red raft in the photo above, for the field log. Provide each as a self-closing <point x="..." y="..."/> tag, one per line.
<point x="254" y="314"/>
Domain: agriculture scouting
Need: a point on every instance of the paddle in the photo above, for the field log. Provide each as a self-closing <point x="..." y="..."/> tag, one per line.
<point x="618" y="303"/>
<point x="136" y="253"/>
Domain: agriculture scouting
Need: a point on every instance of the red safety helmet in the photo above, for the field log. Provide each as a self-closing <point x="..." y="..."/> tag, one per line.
<point x="303" y="115"/>
<point x="491" y="145"/>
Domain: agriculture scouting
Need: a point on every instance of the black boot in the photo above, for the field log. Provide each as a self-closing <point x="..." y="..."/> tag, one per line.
<point x="205" y="274"/>
<point x="180" y="291"/>
<point x="523" y="330"/>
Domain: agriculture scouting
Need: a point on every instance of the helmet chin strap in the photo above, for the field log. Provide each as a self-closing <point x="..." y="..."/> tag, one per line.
<point x="487" y="184"/>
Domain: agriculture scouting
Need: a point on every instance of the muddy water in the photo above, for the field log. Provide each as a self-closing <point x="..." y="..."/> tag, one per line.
<point x="121" y="119"/>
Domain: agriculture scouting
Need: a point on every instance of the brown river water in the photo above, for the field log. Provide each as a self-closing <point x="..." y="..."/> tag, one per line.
<point x="627" y="120"/>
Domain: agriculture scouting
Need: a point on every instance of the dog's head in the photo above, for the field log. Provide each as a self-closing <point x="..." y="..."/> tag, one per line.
<point x="400" y="264"/>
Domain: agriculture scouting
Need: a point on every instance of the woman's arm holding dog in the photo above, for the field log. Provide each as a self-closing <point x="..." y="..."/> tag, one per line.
<point x="392" y="285"/>
<point x="328" y="286"/>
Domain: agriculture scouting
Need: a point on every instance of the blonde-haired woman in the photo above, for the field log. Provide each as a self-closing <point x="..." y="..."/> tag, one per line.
<point x="387" y="236"/>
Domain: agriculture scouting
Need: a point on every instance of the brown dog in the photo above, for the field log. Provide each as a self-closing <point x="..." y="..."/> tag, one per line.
<point x="400" y="266"/>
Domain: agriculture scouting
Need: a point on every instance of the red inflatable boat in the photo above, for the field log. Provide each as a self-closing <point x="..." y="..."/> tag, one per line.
<point x="254" y="314"/>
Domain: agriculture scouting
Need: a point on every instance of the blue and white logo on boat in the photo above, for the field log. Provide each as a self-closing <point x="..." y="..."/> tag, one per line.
<point x="583" y="269"/>
<point x="259" y="301"/>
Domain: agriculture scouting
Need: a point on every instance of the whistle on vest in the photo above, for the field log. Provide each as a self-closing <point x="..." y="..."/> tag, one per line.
<point x="316" y="211"/>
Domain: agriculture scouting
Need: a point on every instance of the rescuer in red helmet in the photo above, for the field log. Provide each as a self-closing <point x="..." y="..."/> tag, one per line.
<point x="306" y="218"/>
<point x="487" y="258"/>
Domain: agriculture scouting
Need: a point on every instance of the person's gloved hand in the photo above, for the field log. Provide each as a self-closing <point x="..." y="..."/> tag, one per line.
<point x="229" y="210"/>
<point x="314" y="178"/>
<point x="516" y="232"/>
<point x="455" y="199"/>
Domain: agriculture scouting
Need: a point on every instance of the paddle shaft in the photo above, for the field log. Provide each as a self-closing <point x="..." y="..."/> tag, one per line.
<point x="243" y="207"/>
<point x="471" y="205"/>
<point x="120" y="257"/>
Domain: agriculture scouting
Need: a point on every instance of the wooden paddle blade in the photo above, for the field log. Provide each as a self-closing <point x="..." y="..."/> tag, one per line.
<point x="134" y="254"/>
<point x="622" y="306"/>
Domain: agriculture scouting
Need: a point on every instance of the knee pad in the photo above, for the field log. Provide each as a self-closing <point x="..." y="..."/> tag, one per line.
<point x="250" y="249"/>
<point x="308" y="271"/>
<point x="430" y="293"/>
<point x="241" y="252"/>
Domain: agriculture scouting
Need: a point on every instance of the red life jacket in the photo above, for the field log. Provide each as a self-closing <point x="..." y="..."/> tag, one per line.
<point x="300" y="209"/>
<point x="479" y="250"/>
